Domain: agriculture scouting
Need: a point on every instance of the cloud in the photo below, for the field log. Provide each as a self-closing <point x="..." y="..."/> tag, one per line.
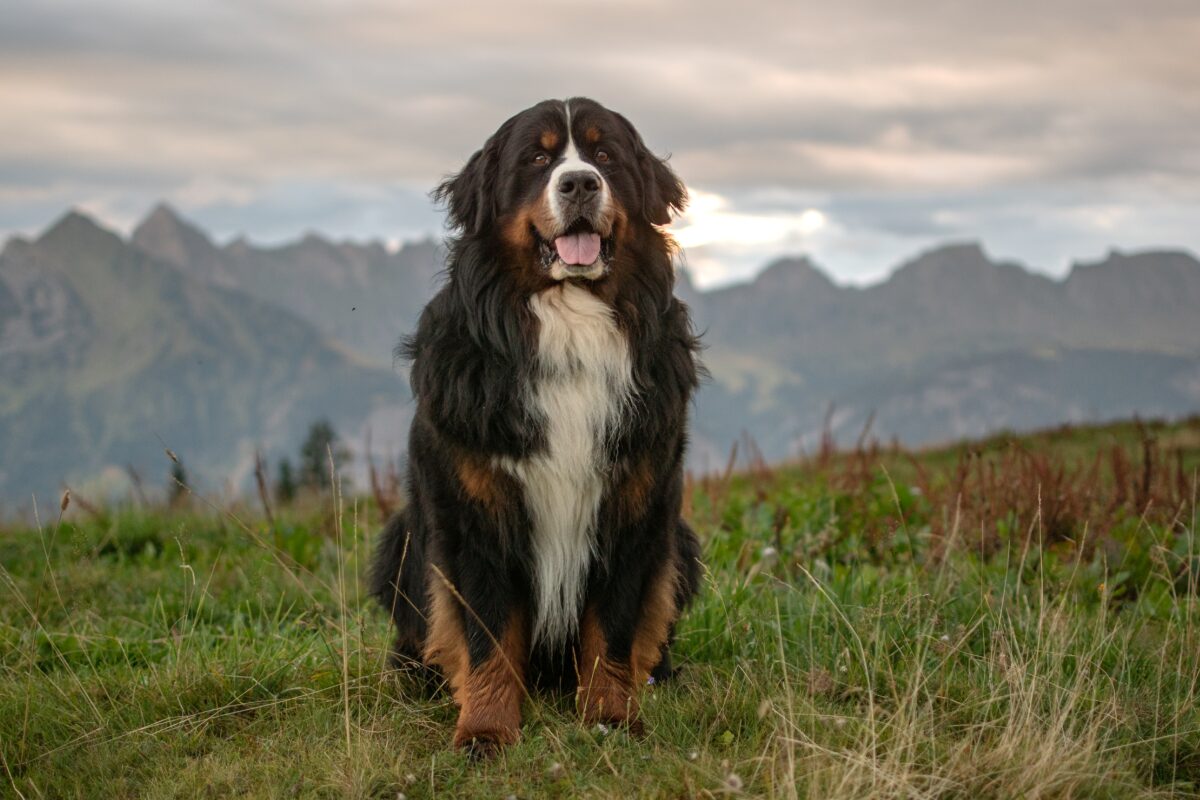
<point x="1071" y="122"/>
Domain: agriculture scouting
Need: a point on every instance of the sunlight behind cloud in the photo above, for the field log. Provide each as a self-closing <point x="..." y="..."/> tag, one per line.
<point x="723" y="244"/>
<point x="710" y="220"/>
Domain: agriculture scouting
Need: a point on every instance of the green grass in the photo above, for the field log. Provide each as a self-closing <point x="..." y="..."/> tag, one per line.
<point x="854" y="639"/>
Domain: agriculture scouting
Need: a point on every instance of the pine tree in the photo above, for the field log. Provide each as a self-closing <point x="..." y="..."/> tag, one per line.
<point x="285" y="484"/>
<point x="177" y="487"/>
<point x="314" y="455"/>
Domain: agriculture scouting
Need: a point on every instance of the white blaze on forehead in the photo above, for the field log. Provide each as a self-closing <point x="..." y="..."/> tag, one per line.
<point x="571" y="162"/>
<point x="571" y="158"/>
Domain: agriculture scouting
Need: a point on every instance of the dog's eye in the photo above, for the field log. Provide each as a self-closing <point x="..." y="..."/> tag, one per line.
<point x="541" y="159"/>
<point x="601" y="157"/>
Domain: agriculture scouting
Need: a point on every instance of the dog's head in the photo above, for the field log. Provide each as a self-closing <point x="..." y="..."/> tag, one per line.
<point x="563" y="187"/>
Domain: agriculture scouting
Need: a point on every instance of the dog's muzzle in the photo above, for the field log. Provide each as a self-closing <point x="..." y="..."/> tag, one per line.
<point x="583" y="244"/>
<point x="579" y="251"/>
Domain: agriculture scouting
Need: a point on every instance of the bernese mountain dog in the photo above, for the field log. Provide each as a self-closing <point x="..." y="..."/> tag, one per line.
<point x="542" y="543"/>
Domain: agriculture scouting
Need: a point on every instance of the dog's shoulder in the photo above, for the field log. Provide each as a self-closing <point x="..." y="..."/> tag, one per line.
<point x="467" y="368"/>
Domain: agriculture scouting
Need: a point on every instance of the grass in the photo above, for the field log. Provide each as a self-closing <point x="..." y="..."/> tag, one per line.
<point x="1004" y="619"/>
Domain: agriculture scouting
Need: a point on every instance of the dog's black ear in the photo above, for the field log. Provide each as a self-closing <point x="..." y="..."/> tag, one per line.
<point x="471" y="196"/>
<point x="662" y="191"/>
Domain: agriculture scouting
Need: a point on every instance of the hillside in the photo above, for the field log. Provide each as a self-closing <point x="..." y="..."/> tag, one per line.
<point x="1007" y="618"/>
<point x="109" y="355"/>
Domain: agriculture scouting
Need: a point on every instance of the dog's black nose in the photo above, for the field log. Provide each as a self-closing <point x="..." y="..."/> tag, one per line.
<point x="578" y="185"/>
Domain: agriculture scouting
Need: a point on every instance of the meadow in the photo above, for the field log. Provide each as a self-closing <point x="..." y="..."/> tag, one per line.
<point x="1016" y="617"/>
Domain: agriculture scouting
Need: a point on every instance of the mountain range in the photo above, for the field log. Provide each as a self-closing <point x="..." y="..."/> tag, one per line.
<point x="110" y="355"/>
<point x="952" y="345"/>
<point x="112" y="349"/>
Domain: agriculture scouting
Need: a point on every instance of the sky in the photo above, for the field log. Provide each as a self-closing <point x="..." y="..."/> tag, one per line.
<point x="858" y="133"/>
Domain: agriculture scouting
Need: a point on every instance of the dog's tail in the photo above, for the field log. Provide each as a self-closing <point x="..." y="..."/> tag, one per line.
<point x="398" y="583"/>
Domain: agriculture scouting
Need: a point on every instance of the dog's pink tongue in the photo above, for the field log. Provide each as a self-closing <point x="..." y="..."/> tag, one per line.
<point x="578" y="248"/>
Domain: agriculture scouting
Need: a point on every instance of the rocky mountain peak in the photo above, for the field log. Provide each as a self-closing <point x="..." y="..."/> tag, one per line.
<point x="956" y="258"/>
<point x="76" y="232"/>
<point x="1179" y="261"/>
<point x="794" y="274"/>
<point x="168" y="237"/>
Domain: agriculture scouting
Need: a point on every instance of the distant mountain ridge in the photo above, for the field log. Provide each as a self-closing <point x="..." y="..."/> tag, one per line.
<point x="107" y="343"/>
<point x="953" y="344"/>
<point x="357" y="294"/>
<point x="109" y="355"/>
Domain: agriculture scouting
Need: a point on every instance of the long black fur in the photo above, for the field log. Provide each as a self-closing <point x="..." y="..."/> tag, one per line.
<point x="473" y="355"/>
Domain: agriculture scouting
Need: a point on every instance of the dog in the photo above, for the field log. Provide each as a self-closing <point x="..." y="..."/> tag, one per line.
<point x="542" y="543"/>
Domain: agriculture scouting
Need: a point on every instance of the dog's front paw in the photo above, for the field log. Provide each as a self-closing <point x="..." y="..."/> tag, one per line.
<point x="481" y="745"/>
<point x="611" y="706"/>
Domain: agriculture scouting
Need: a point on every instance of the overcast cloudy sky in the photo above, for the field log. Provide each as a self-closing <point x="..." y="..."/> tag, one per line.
<point x="858" y="132"/>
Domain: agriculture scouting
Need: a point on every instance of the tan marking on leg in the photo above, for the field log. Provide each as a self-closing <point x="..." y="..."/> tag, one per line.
<point x="658" y="613"/>
<point x="606" y="691"/>
<point x="445" y="642"/>
<point x="490" y="700"/>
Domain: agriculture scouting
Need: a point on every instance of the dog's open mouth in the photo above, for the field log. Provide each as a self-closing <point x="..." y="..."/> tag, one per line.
<point x="579" y="247"/>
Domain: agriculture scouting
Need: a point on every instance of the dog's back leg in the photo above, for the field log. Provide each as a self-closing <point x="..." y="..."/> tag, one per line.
<point x="687" y="565"/>
<point x="398" y="583"/>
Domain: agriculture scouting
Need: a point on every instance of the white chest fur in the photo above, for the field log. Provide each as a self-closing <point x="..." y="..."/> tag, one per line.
<point x="580" y="390"/>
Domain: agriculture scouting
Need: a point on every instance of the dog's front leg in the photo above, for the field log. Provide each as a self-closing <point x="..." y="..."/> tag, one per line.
<point x="622" y="636"/>
<point x="480" y="638"/>
<point x="490" y="714"/>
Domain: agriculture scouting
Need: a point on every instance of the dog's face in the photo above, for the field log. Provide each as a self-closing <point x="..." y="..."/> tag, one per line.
<point x="564" y="187"/>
